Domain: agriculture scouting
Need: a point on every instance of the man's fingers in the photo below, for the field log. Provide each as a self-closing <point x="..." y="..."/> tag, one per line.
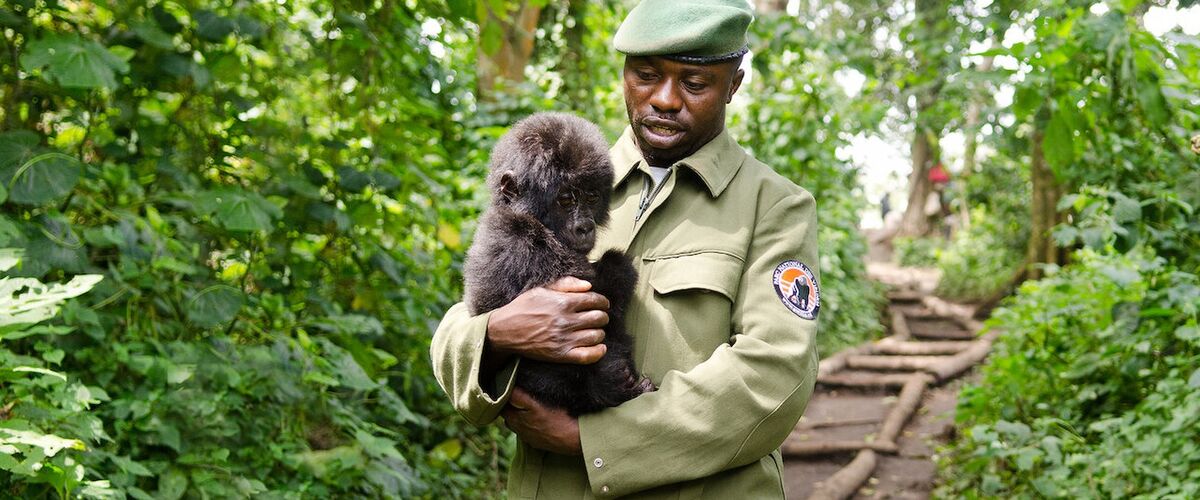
<point x="590" y="300"/>
<point x="570" y="284"/>
<point x="521" y="400"/>
<point x="586" y="355"/>
<point x="588" y="337"/>
<point x="594" y="318"/>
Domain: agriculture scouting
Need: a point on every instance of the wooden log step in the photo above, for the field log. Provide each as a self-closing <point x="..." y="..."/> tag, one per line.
<point x="961" y="313"/>
<point x="907" y="363"/>
<point x="900" y="329"/>
<point x="865" y="379"/>
<point x="962" y="361"/>
<point x="939" y="331"/>
<point x="843" y="422"/>
<point x="846" y="481"/>
<point x="837" y="362"/>
<point x="906" y="404"/>
<point x="893" y="346"/>
<point x="811" y="448"/>
<point x="907" y="296"/>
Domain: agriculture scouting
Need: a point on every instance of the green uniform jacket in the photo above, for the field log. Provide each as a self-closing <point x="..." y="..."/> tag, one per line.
<point x="734" y="365"/>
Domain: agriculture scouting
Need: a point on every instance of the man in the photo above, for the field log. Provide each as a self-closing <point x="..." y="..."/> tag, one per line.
<point x="720" y="242"/>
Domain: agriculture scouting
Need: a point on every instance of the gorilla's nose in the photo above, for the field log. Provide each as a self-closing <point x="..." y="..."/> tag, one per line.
<point x="585" y="229"/>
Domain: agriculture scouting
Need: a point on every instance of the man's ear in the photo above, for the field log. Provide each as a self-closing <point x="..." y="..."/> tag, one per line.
<point x="508" y="187"/>
<point x="737" y="83"/>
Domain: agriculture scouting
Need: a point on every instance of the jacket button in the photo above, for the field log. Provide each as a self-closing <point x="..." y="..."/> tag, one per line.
<point x="598" y="462"/>
<point x="604" y="489"/>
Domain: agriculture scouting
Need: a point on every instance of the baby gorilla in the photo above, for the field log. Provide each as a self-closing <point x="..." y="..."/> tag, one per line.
<point x="550" y="180"/>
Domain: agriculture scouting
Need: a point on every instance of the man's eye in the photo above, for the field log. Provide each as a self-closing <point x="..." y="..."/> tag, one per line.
<point x="645" y="75"/>
<point x="566" y="200"/>
<point x="694" y="86"/>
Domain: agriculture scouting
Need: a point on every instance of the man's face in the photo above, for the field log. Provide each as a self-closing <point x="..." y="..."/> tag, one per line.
<point x="675" y="108"/>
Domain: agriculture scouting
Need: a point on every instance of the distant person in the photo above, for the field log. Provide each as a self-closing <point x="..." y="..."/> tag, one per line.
<point x="885" y="206"/>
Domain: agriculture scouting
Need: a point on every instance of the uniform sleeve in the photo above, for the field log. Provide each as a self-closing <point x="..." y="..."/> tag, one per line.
<point x="457" y="352"/>
<point x="737" y="406"/>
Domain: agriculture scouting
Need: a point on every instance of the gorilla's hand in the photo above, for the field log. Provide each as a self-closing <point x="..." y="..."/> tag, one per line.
<point x="561" y="323"/>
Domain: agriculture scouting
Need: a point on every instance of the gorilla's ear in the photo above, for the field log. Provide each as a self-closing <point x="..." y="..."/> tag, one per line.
<point x="508" y="187"/>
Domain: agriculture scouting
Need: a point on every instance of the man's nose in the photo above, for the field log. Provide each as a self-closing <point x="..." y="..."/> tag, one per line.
<point x="665" y="98"/>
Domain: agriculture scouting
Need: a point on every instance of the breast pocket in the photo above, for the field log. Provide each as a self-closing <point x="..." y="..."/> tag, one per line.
<point x="693" y="300"/>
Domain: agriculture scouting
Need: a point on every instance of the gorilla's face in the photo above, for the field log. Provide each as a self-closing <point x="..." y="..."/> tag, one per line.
<point x="572" y="217"/>
<point x="675" y="108"/>
<point x="573" y="208"/>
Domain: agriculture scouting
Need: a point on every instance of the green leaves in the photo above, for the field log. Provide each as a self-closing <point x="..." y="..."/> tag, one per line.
<point x="73" y="62"/>
<point x="215" y="305"/>
<point x="150" y="33"/>
<point x="44" y="178"/>
<point x="1058" y="143"/>
<point x="240" y="211"/>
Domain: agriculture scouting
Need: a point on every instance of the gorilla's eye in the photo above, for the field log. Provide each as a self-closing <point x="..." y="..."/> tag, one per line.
<point x="566" y="200"/>
<point x="591" y="197"/>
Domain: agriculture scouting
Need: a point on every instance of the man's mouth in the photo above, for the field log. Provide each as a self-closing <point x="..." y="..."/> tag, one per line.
<point x="662" y="129"/>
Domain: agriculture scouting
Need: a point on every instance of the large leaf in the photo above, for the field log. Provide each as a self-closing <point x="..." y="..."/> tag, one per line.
<point x="27" y="301"/>
<point x="215" y="305"/>
<point x="43" y="178"/>
<point x="239" y="210"/>
<point x="212" y="26"/>
<point x="16" y="147"/>
<point x="153" y="35"/>
<point x="74" y="62"/>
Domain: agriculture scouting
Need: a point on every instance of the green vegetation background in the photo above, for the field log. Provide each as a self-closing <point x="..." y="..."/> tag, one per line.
<point x="278" y="196"/>
<point x="229" y="228"/>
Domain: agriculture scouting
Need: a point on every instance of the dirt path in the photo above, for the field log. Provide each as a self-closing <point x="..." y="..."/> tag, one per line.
<point x="881" y="409"/>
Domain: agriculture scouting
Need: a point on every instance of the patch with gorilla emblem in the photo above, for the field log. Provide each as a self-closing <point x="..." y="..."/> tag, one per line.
<point x="797" y="288"/>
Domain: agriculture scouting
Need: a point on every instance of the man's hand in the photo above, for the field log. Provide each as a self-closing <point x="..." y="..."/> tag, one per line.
<point x="542" y="427"/>
<point x="561" y="323"/>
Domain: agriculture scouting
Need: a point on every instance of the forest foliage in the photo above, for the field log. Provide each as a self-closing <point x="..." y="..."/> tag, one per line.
<point x="1094" y="387"/>
<point x="268" y="204"/>
<point x="229" y="228"/>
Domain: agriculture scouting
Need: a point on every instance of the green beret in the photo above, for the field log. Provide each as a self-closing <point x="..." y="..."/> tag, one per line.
<point x="695" y="31"/>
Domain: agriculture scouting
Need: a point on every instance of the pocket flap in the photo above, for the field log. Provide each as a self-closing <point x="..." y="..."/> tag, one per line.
<point x="712" y="271"/>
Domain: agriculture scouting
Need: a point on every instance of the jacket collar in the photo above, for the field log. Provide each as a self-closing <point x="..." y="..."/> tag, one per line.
<point x="715" y="163"/>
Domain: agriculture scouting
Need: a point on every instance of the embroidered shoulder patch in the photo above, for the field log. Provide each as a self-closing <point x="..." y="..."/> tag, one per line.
<point x="797" y="287"/>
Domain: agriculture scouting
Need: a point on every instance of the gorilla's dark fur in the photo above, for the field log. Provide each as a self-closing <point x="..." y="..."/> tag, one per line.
<point x="540" y="227"/>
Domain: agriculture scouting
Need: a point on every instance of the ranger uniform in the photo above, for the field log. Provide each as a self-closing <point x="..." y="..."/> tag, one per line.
<point x="725" y="248"/>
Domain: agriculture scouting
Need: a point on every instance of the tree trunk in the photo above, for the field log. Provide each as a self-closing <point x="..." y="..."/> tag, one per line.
<point x="1044" y="216"/>
<point x="915" y="223"/>
<point x="516" y="47"/>
<point x="927" y="129"/>
<point x="1043" y="212"/>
